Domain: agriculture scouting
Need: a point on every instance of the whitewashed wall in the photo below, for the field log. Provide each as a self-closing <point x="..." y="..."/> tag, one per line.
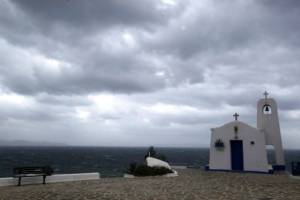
<point x="270" y="124"/>
<point x="255" y="156"/>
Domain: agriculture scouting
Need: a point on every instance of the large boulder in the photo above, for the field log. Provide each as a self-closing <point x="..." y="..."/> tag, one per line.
<point x="154" y="162"/>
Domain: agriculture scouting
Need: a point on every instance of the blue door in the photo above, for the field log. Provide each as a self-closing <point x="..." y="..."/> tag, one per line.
<point x="237" y="157"/>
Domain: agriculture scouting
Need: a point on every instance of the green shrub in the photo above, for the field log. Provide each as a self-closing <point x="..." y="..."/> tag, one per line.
<point x="132" y="167"/>
<point x="144" y="170"/>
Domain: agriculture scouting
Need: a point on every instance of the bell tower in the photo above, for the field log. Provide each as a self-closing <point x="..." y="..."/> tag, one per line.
<point x="267" y="120"/>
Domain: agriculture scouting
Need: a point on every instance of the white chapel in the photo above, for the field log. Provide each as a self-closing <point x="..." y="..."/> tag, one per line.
<point x="238" y="146"/>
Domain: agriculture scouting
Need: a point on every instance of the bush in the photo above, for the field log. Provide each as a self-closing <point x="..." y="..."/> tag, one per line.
<point x="144" y="170"/>
<point x="132" y="167"/>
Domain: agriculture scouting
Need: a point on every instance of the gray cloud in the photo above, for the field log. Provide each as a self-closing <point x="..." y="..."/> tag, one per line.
<point x="75" y="13"/>
<point x="145" y="72"/>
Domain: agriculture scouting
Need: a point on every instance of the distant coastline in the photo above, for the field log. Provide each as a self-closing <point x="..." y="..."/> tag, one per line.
<point x="25" y="143"/>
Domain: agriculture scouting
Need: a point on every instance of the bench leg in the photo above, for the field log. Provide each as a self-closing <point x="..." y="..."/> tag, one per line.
<point x="19" y="181"/>
<point x="44" y="179"/>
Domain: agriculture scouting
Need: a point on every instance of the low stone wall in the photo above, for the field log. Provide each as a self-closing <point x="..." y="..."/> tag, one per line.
<point x="50" y="179"/>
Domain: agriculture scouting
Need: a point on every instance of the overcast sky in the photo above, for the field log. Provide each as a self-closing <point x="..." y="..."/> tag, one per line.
<point x="145" y="72"/>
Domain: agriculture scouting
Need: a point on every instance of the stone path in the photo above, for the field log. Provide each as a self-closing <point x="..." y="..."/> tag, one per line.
<point x="190" y="184"/>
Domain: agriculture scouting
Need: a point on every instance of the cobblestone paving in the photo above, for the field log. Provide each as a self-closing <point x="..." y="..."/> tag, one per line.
<point x="190" y="184"/>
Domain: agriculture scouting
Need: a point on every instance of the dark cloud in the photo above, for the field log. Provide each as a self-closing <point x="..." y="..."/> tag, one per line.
<point x="214" y="30"/>
<point x="79" y="14"/>
<point x="79" y="34"/>
<point x="95" y="71"/>
<point x="144" y="71"/>
<point x="69" y="22"/>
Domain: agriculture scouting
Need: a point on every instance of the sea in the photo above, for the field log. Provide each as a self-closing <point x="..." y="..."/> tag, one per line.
<point x="108" y="161"/>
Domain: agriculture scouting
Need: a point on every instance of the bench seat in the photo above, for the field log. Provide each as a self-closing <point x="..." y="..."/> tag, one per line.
<point x="20" y="172"/>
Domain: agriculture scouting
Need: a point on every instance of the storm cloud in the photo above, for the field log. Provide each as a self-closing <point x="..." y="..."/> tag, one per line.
<point x="138" y="73"/>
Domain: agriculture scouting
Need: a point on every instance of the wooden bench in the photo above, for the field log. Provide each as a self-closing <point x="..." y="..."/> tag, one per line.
<point x="19" y="172"/>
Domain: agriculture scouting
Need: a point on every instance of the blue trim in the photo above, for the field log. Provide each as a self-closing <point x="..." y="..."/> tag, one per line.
<point x="206" y="168"/>
<point x="243" y="171"/>
<point x="237" y="155"/>
<point x="278" y="167"/>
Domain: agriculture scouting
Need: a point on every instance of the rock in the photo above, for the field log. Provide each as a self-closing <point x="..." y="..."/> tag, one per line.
<point x="154" y="162"/>
<point x="129" y="176"/>
<point x="174" y="174"/>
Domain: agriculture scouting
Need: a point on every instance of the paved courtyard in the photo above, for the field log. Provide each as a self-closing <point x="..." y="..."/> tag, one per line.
<point x="190" y="184"/>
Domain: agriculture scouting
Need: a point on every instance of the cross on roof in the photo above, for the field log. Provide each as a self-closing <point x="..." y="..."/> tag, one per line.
<point x="236" y="116"/>
<point x="266" y="94"/>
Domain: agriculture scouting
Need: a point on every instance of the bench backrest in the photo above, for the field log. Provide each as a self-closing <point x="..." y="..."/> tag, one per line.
<point x="33" y="170"/>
